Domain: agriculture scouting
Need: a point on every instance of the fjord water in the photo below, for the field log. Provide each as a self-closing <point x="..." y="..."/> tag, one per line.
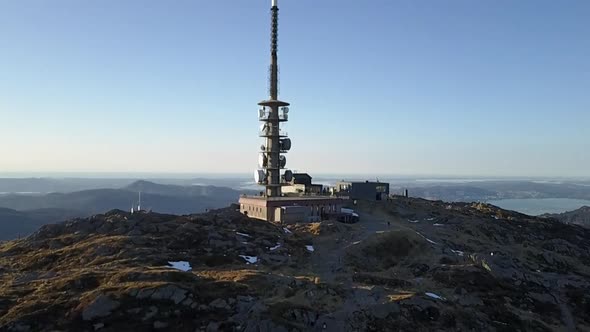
<point x="537" y="206"/>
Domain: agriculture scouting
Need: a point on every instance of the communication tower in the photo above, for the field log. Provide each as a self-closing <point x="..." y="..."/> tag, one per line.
<point x="272" y="160"/>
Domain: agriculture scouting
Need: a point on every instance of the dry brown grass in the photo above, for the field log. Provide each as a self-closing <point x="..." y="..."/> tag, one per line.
<point x="400" y="296"/>
<point x="228" y="275"/>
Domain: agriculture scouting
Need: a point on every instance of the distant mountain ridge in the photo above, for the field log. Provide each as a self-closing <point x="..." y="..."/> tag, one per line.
<point x="580" y="216"/>
<point x="14" y="224"/>
<point x="453" y="193"/>
<point x="177" y="190"/>
<point x="45" y="185"/>
<point x="24" y="213"/>
<point x="495" y="190"/>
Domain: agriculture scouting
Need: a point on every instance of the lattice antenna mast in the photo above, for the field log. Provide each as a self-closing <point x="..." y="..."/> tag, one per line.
<point x="274" y="48"/>
<point x="272" y="159"/>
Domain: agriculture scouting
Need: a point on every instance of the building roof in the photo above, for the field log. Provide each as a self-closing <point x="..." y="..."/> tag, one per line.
<point x="301" y="175"/>
<point x="360" y="182"/>
<point x="292" y="198"/>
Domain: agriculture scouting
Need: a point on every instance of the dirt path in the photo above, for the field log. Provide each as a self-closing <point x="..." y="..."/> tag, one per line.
<point x="328" y="257"/>
<point x="328" y="264"/>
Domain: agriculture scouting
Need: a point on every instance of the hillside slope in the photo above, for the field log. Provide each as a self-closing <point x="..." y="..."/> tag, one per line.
<point x="33" y="211"/>
<point x="14" y="224"/>
<point x="160" y="198"/>
<point x="580" y="216"/>
<point x="409" y="265"/>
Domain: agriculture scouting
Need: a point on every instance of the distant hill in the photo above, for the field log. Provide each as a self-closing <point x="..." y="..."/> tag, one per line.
<point x="45" y="185"/>
<point x="53" y="185"/>
<point x="25" y="213"/>
<point x="580" y="216"/>
<point x="177" y="190"/>
<point x="495" y="190"/>
<point x="453" y="193"/>
<point x="14" y="224"/>
<point x="160" y="198"/>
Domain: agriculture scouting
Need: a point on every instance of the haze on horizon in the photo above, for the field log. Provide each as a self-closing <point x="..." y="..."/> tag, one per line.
<point x="490" y="88"/>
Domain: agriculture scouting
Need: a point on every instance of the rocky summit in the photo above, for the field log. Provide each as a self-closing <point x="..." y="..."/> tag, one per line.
<point x="409" y="264"/>
<point x="580" y="216"/>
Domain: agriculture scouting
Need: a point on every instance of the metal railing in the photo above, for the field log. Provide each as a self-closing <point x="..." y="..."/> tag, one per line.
<point x="265" y="116"/>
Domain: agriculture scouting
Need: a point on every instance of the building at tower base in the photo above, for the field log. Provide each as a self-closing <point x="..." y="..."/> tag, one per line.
<point x="295" y="209"/>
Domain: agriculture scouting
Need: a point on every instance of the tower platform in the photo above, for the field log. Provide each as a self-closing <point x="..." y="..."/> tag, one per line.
<point x="289" y="210"/>
<point x="271" y="103"/>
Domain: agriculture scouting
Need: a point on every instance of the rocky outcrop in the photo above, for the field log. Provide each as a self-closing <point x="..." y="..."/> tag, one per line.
<point x="102" y="306"/>
<point x="580" y="216"/>
<point x="409" y="265"/>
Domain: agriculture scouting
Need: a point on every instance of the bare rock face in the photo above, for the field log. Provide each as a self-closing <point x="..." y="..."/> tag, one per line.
<point x="580" y="216"/>
<point x="170" y="292"/>
<point x="410" y="264"/>
<point x="219" y="304"/>
<point x="102" y="306"/>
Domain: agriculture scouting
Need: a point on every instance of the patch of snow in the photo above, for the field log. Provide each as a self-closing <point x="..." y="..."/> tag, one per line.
<point x="243" y="234"/>
<point x="491" y="254"/>
<point x="414" y="221"/>
<point x="496" y="217"/>
<point x="429" y="240"/>
<point x="180" y="265"/>
<point x="458" y="252"/>
<point x="355" y="215"/>
<point x="431" y="219"/>
<point x="379" y="232"/>
<point x="438" y="225"/>
<point x="245" y="242"/>
<point x="310" y="248"/>
<point x="287" y="231"/>
<point x="250" y="259"/>
<point x="357" y="242"/>
<point x="275" y="247"/>
<point x="434" y="296"/>
<point x="425" y="238"/>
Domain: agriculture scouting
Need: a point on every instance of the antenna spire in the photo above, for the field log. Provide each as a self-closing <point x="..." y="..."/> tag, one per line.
<point x="274" y="48"/>
<point x="272" y="160"/>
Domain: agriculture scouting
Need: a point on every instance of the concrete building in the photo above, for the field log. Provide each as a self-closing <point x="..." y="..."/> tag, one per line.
<point x="302" y="184"/>
<point x="302" y="178"/>
<point x="291" y="209"/>
<point x="371" y="191"/>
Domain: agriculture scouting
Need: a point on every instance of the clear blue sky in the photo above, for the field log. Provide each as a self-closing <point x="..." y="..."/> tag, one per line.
<point x="458" y="87"/>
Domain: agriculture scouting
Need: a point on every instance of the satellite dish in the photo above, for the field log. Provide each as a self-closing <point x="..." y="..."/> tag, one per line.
<point x="285" y="109"/>
<point x="285" y="144"/>
<point x="259" y="176"/>
<point x="262" y="160"/>
<point x="282" y="161"/>
<point x="262" y="147"/>
<point x="288" y="176"/>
